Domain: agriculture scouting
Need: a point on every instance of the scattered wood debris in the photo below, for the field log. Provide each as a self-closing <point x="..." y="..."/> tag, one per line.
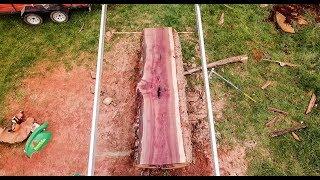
<point x="312" y="102"/>
<point x="281" y="20"/>
<point x="221" y="21"/>
<point x="241" y="58"/>
<point x="295" y="136"/>
<point x="287" y="14"/>
<point x="92" y="90"/>
<point x="272" y="122"/>
<point x="278" y="111"/>
<point x="288" y="130"/>
<point x="266" y="84"/>
<point x="283" y="63"/>
<point x="293" y="11"/>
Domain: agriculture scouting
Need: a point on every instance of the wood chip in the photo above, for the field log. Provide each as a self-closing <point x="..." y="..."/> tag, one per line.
<point x="107" y="101"/>
<point x="278" y="111"/>
<point x="266" y="84"/>
<point x="221" y="21"/>
<point x="295" y="136"/>
<point x="312" y="102"/>
<point x="93" y="74"/>
<point x="282" y="24"/>
<point x="92" y="89"/>
<point x="109" y="35"/>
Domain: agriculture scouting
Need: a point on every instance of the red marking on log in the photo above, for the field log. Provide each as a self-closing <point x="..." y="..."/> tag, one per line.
<point x="161" y="141"/>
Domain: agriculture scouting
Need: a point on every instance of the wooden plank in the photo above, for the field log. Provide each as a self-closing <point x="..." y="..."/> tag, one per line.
<point x="160" y="133"/>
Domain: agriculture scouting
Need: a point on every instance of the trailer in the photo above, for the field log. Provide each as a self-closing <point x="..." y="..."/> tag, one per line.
<point x="33" y="14"/>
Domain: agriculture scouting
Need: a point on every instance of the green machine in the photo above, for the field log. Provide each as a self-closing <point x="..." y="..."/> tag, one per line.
<point x="38" y="139"/>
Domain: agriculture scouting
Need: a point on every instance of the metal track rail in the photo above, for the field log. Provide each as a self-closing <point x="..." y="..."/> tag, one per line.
<point x="96" y="102"/>
<point x="207" y="90"/>
<point x="95" y="114"/>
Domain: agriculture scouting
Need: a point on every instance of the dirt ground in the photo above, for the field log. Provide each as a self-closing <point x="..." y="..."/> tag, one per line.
<point x="64" y="99"/>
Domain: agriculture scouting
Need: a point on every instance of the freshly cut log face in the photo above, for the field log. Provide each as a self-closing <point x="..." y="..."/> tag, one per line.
<point x="162" y="110"/>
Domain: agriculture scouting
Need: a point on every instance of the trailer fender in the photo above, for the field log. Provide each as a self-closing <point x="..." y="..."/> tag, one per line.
<point x="43" y="8"/>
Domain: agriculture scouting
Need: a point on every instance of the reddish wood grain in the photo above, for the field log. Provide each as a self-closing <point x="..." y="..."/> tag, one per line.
<point x="161" y="142"/>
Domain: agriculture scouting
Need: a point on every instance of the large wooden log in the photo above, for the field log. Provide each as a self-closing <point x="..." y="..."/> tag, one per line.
<point x="162" y="109"/>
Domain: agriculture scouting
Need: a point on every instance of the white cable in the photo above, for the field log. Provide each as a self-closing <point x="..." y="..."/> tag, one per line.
<point x="207" y="90"/>
<point x="95" y="114"/>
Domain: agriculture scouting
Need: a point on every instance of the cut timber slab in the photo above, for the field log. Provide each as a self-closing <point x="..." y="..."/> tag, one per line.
<point x="164" y="139"/>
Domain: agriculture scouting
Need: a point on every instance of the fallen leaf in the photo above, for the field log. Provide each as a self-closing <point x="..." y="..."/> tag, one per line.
<point x="311" y="104"/>
<point x="301" y="21"/>
<point x="257" y="54"/>
<point x="295" y="136"/>
<point x="221" y="21"/>
<point x="283" y="25"/>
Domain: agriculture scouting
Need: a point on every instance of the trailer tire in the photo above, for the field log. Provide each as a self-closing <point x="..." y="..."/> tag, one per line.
<point x="59" y="16"/>
<point x="33" y="19"/>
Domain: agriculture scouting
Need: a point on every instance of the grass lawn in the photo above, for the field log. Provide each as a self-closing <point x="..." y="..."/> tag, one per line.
<point x="22" y="46"/>
<point x="245" y="31"/>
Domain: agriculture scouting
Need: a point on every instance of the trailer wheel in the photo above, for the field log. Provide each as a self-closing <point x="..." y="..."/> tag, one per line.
<point x="59" y="16"/>
<point x="32" y="19"/>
